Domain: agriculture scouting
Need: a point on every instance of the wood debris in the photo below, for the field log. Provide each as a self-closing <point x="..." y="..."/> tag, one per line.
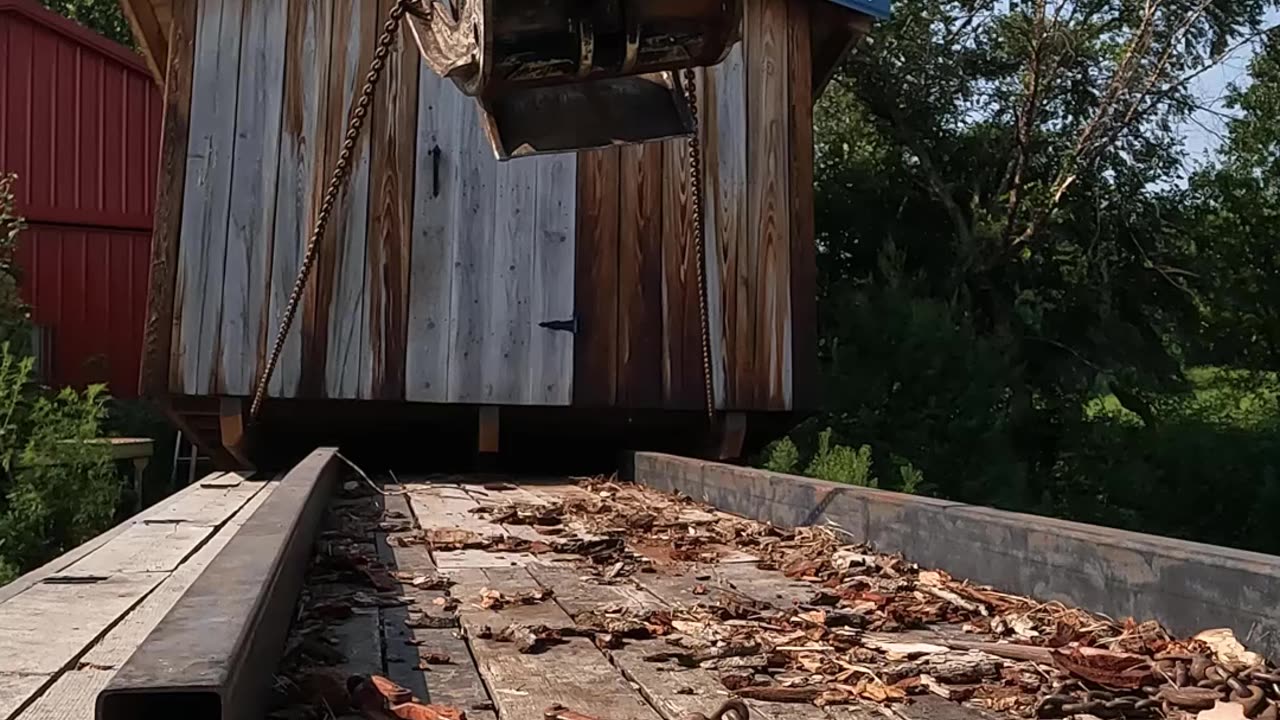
<point x="854" y="626"/>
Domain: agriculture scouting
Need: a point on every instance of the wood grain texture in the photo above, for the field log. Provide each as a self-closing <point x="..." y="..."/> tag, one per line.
<point x="768" y="178"/>
<point x="162" y="310"/>
<point x="340" y="272"/>
<point x="640" y="265"/>
<point x="596" y="297"/>
<point x="394" y="126"/>
<point x="255" y="169"/>
<point x="473" y="282"/>
<point x="725" y="159"/>
<point x="551" y="351"/>
<point x="574" y="674"/>
<point x="805" y="387"/>
<point x="81" y="612"/>
<point x="207" y="193"/>
<point x="682" y="370"/>
<point x="508" y="311"/>
<point x="299" y="188"/>
<point x="440" y="115"/>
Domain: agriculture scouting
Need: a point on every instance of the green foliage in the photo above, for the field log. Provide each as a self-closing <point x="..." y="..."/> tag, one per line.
<point x="56" y="489"/>
<point x="1016" y="290"/>
<point x="838" y="463"/>
<point x="102" y="16"/>
<point x="14" y="326"/>
<point x="782" y="456"/>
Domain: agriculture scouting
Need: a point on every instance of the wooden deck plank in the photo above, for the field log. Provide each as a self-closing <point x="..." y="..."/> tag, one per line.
<point x="677" y="691"/>
<point x="441" y="507"/>
<point x="574" y="674"/>
<point x="75" y="554"/>
<point x="80" y="612"/>
<point x="456" y="684"/>
<point x="74" y="693"/>
<point x="204" y="506"/>
<point x="16" y="689"/>
<point x="144" y="548"/>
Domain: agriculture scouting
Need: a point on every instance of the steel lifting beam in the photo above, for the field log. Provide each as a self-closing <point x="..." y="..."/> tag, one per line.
<point x="214" y="655"/>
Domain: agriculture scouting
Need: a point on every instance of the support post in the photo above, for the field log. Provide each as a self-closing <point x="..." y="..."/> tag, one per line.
<point x="235" y="439"/>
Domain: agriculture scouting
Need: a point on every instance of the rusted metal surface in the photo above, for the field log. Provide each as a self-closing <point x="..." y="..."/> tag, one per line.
<point x="214" y="653"/>
<point x="81" y="123"/>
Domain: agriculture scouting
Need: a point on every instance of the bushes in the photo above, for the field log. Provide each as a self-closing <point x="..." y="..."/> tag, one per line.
<point x="921" y="402"/>
<point x="56" y="491"/>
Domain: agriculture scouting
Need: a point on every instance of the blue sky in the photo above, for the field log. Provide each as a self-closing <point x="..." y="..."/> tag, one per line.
<point x="1203" y="132"/>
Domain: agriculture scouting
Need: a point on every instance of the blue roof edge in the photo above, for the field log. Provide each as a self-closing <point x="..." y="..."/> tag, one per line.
<point x="875" y="8"/>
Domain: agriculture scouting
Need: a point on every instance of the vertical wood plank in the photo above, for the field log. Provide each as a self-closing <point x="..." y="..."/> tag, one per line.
<point x="682" y="371"/>
<point x="804" y="264"/>
<point x="394" y="126"/>
<point x="299" y="188"/>
<point x="551" y="351"/>
<point x="431" y="321"/>
<point x="768" y="177"/>
<point x="725" y="163"/>
<point x="254" y="178"/>
<point x="162" y="303"/>
<point x="207" y="191"/>
<point x="509" y="316"/>
<point x="595" y="351"/>
<point x="640" y="272"/>
<point x="473" y="230"/>
<point x="342" y="272"/>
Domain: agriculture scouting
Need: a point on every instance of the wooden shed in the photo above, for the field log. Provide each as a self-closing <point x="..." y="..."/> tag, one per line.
<point x="549" y="296"/>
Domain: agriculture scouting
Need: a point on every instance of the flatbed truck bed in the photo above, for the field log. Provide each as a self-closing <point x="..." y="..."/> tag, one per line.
<point x="499" y="598"/>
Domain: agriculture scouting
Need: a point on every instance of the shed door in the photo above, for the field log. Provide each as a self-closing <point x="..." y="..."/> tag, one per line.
<point x="492" y="279"/>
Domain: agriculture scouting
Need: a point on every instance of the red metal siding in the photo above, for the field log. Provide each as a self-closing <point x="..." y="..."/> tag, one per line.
<point x="80" y="125"/>
<point x="89" y="286"/>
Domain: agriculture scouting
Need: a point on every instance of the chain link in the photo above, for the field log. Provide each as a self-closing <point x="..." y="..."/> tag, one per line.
<point x="341" y="171"/>
<point x="699" y="238"/>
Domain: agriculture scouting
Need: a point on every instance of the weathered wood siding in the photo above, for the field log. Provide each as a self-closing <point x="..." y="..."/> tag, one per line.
<point x="431" y="282"/>
<point x="641" y="343"/>
<point x="441" y="264"/>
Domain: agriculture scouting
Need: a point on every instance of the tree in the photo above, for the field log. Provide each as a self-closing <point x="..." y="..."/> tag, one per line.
<point x="1237" y="223"/>
<point x="1014" y="155"/>
<point x="102" y="16"/>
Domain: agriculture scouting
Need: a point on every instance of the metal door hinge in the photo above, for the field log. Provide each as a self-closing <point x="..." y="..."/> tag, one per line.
<point x="569" y="326"/>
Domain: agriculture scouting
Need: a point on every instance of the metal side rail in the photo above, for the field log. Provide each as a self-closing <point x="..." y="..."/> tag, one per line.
<point x="213" y="655"/>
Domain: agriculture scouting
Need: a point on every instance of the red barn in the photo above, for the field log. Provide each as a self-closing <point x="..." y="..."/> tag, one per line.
<point x="80" y="125"/>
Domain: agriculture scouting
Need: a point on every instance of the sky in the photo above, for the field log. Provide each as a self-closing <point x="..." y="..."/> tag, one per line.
<point x="1205" y="129"/>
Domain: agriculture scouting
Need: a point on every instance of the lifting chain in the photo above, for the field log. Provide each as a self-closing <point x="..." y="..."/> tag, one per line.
<point x="700" y="238"/>
<point x="342" y="171"/>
